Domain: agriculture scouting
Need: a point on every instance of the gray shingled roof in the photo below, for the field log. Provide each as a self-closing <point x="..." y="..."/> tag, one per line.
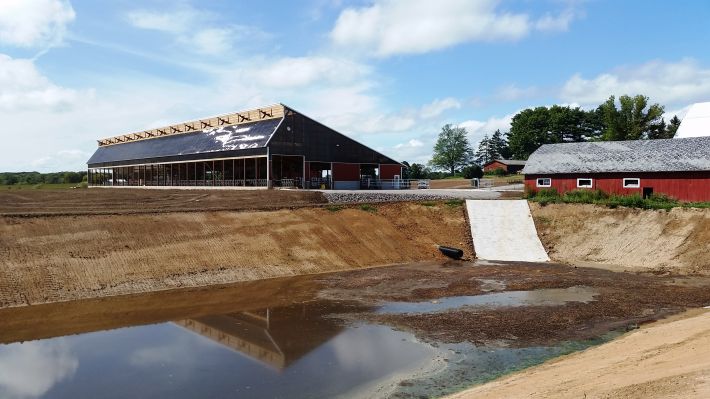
<point x="511" y="161"/>
<point x="669" y="155"/>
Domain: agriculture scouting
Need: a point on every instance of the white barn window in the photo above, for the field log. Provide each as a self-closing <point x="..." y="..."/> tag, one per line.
<point x="632" y="182"/>
<point x="543" y="182"/>
<point x="585" y="183"/>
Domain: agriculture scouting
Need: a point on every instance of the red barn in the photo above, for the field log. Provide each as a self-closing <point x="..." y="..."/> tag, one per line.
<point x="678" y="168"/>
<point x="508" y="165"/>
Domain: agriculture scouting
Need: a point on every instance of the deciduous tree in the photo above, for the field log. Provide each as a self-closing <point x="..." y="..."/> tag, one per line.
<point x="452" y="149"/>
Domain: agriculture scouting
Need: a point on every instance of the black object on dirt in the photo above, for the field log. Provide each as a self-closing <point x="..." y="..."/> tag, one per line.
<point x="453" y="253"/>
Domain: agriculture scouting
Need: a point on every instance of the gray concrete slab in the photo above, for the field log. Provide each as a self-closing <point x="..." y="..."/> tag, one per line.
<point x="504" y="230"/>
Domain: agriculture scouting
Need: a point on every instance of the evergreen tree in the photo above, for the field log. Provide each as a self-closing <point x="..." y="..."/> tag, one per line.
<point x="485" y="152"/>
<point x="499" y="146"/>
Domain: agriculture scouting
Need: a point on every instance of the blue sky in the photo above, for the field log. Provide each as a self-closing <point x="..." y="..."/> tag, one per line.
<point x="389" y="73"/>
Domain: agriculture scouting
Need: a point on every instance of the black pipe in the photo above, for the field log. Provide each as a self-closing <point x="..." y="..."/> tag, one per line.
<point x="453" y="253"/>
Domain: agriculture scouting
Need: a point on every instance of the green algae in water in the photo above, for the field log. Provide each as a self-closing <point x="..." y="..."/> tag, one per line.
<point x="469" y="365"/>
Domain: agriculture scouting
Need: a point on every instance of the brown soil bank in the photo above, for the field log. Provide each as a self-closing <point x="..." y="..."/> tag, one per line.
<point x="668" y="359"/>
<point x="631" y="239"/>
<point x="49" y="259"/>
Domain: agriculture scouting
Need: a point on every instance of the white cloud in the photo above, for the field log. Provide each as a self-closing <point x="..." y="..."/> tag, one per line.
<point x="513" y="92"/>
<point x="438" y="107"/>
<point x="30" y="23"/>
<point x="556" y="23"/>
<point x="30" y="369"/>
<point x="669" y="83"/>
<point x="291" y="72"/>
<point x="477" y="129"/>
<point x="390" y="27"/>
<point x="24" y="87"/>
<point x="195" y="30"/>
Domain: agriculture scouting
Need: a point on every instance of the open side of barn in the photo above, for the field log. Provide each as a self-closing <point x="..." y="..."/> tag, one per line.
<point x="273" y="146"/>
<point x="678" y="168"/>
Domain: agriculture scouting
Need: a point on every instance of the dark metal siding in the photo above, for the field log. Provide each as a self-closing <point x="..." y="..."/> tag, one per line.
<point x="320" y="143"/>
<point x="236" y="140"/>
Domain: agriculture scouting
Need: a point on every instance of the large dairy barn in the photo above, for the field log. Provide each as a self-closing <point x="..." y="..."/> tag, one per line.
<point x="678" y="168"/>
<point x="272" y="146"/>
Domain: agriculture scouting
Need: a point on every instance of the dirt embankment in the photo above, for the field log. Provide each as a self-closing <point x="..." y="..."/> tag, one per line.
<point x="49" y="259"/>
<point x="632" y="239"/>
<point x="668" y="359"/>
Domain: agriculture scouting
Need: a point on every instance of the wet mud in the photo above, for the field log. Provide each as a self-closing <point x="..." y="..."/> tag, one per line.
<point x="407" y="331"/>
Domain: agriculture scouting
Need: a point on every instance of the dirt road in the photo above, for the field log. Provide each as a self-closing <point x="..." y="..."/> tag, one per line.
<point x="667" y="359"/>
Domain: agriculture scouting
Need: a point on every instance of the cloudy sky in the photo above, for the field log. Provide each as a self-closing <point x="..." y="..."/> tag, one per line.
<point x="389" y="73"/>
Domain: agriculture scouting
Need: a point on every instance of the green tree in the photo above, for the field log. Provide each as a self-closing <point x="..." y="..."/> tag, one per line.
<point x="486" y="151"/>
<point x="499" y="145"/>
<point x="452" y="149"/>
<point x="672" y="127"/>
<point x="418" y="171"/>
<point x="529" y="129"/>
<point x="471" y="171"/>
<point x="634" y="119"/>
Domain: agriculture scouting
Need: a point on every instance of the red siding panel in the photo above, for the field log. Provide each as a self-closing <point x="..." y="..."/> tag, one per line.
<point x="346" y="171"/>
<point x="684" y="186"/>
<point x="495" y="165"/>
<point x="388" y="171"/>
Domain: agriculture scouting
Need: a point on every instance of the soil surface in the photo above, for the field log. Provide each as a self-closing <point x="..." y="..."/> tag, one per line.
<point x="624" y="300"/>
<point x="667" y="359"/>
<point x="60" y="258"/>
<point x="128" y="200"/>
<point x="676" y="241"/>
<point x="671" y="359"/>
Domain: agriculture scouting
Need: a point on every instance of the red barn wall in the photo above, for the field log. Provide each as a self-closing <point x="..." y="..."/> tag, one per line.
<point x="684" y="186"/>
<point x="495" y="165"/>
<point x="388" y="171"/>
<point x="346" y="171"/>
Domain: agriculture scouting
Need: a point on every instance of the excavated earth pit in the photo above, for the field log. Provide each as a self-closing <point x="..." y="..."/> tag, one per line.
<point x="408" y="331"/>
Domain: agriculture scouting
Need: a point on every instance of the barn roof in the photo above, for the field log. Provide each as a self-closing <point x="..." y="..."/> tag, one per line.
<point x="216" y="139"/>
<point x="516" y="162"/>
<point x="667" y="155"/>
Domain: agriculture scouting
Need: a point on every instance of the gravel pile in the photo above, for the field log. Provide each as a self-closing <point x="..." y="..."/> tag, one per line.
<point x="335" y="197"/>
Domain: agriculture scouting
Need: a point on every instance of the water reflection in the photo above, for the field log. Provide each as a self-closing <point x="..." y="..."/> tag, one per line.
<point x="30" y="369"/>
<point x="318" y="349"/>
<point x="276" y="337"/>
<point x="541" y="297"/>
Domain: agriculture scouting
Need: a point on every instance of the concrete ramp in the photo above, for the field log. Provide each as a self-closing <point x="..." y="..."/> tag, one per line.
<point x="504" y="230"/>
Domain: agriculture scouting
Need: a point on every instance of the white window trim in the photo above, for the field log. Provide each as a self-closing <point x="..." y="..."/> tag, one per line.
<point x="637" y="185"/>
<point x="585" y="178"/>
<point x="537" y="182"/>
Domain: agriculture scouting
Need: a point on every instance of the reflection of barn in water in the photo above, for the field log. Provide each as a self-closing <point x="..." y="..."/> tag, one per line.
<point x="276" y="337"/>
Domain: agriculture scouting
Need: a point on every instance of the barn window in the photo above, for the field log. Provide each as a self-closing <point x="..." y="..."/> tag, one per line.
<point x="584" y="183"/>
<point x="544" y="182"/>
<point x="632" y="182"/>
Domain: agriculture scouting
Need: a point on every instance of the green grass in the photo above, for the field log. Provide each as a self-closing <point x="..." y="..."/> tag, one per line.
<point x="368" y="208"/>
<point x="335" y="208"/>
<point x="454" y="203"/>
<point x="44" y="186"/>
<point x="428" y="203"/>
<point x="657" y="201"/>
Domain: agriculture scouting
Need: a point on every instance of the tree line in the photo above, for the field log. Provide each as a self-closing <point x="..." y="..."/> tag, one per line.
<point x="10" y="178"/>
<point x="633" y="118"/>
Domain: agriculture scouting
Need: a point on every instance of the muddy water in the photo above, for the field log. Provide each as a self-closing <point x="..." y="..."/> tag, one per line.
<point x="300" y="351"/>
<point x="404" y="332"/>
